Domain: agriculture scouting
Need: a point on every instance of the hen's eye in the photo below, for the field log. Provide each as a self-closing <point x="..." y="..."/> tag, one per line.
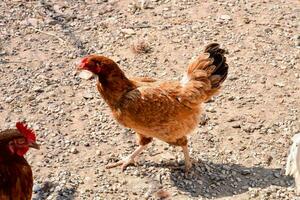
<point x="20" y="141"/>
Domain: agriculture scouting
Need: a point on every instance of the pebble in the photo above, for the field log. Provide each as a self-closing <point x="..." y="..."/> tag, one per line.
<point x="74" y="150"/>
<point x="225" y="17"/>
<point x="36" y="188"/>
<point x="128" y="31"/>
<point x="279" y="84"/>
<point x="236" y="125"/>
<point x="88" y="95"/>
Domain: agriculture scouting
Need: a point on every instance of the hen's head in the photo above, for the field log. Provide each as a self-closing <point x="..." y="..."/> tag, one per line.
<point x="100" y="65"/>
<point x="19" y="140"/>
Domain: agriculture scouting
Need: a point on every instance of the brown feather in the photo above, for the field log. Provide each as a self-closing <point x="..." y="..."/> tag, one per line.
<point x="15" y="179"/>
<point x="9" y="134"/>
<point x="15" y="173"/>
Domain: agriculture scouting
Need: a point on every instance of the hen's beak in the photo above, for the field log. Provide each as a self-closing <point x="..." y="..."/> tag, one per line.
<point x="84" y="74"/>
<point x="34" y="145"/>
<point x="77" y="71"/>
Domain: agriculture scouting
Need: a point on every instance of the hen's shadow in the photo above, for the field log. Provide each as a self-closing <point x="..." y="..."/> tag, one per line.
<point x="47" y="189"/>
<point x="220" y="180"/>
<point x="213" y="180"/>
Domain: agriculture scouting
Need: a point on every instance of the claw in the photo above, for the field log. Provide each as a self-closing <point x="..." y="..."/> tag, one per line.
<point x="126" y="163"/>
<point x="188" y="167"/>
<point x="123" y="163"/>
<point x="130" y="160"/>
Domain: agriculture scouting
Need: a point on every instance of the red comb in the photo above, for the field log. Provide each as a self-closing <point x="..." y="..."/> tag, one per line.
<point x="25" y="131"/>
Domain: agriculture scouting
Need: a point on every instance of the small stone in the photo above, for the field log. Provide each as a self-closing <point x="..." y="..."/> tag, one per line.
<point x="98" y="153"/>
<point x="236" y="126"/>
<point x="225" y="17"/>
<point x="245" y="187"/>
<point x="211" y="110"/>
<point x="9" y="99"/>
<point x="128" y="31"/>
<point x="36" y="188"/>
<point x="279" y="84"/>
<point x="276" y="174"/>
<point x="297" y="41"/>
<point x="176" y="40"/>
<point x="247" y="20"/>
<point x="245" y="172"/>
<point x="3" y="53"/>
<point x="32" y="21"/>
<point x="87" y="95"/>
<point x="268" y="30"/>
<point x="231" y="98"/>
<point x="242" y="148"/>
<point x="38" y="89"/>
<point x="74" y="150"/>
<point x="269" y="159"/>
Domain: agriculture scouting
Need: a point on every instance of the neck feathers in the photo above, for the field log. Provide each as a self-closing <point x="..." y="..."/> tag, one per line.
<point x="112" y="90"/>
<point x="6" y="155"/>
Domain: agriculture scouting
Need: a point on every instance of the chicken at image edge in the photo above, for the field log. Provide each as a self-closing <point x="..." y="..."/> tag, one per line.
<point x="16" y="179"/>
<point x="166" y="110"/>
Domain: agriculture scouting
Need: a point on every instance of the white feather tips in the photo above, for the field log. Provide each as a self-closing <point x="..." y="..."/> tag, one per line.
<point x="293" y="162"/>
<point x="185" y="79"/>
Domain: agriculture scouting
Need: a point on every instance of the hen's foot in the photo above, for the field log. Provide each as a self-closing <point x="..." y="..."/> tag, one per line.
<point x="123" y="163"/>
<point x="188" y="166"/>
<point x="129" y="160"/>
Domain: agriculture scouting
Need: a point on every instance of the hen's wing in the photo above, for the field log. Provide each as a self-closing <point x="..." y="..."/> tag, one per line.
<point x="142" y="81"/>
<point x="157" y="112"/>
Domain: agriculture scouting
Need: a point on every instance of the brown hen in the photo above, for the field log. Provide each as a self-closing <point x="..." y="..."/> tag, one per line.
<point x="15" y="173"/>
<point x="167" y="110"/>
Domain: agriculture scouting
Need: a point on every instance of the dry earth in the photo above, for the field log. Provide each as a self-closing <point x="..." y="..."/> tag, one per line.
<point x="239" y="151"/>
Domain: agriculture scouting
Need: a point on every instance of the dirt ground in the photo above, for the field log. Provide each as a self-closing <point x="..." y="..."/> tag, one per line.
<point x="239" y="150"/>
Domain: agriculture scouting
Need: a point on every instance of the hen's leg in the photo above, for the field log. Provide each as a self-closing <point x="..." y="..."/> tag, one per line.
<point x="187" y="159"/>
<point x="184" y="145"/>
<point x="142" y="142"/>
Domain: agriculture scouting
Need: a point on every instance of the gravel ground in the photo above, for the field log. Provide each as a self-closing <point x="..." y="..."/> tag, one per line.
<point x="240" y="149"/>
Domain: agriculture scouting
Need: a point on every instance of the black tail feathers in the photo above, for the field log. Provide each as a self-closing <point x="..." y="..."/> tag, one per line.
<point x="219" y="60"/>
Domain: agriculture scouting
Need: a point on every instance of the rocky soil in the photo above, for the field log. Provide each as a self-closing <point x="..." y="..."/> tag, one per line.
<point x="240" y="149"/>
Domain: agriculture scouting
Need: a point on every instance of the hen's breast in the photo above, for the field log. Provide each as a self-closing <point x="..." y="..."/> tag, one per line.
<point x="15" y="180"/>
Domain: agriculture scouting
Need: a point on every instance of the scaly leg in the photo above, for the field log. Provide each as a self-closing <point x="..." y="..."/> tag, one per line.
<point x="142" y="141"/>
<point x="183" y="143"/>
<point x="187" y="159"/>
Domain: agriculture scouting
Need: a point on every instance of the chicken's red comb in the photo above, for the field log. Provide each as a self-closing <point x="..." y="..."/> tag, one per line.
<point x="25" y="131"/>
